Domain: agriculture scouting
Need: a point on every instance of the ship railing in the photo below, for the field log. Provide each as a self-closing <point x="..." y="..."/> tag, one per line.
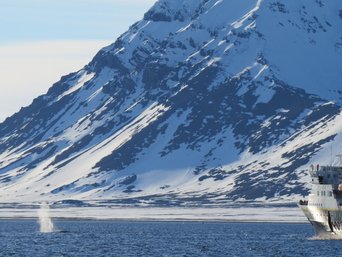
<point x="327" y="168"/>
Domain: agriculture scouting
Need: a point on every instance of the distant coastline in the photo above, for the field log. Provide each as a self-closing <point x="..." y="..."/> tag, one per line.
<point x="161" y="214"/>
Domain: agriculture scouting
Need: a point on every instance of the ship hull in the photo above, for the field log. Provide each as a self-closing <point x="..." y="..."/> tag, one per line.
<point x="327" y="223"/>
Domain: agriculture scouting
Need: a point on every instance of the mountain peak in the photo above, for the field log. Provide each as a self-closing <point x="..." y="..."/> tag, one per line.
<point x="177" y="10"/>
<point x="201" y="101"/>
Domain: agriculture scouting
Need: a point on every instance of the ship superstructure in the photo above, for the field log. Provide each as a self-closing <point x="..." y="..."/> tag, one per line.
<point x="323" y="208"/>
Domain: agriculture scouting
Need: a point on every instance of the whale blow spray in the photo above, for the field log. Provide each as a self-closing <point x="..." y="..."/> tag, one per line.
<point x="45" y="222"/>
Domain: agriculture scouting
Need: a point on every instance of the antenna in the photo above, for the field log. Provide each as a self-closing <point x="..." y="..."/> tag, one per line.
<point x="331" y="156"/>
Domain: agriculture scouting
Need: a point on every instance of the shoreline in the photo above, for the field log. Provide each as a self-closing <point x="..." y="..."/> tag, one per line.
<point x="162" y="214"/>
<point x="57" y="219"/>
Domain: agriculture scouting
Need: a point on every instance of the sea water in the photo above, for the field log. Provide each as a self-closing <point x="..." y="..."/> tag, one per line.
<point x="113" y="238"/>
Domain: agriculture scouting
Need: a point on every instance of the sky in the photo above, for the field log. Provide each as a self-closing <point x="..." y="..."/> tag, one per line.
<point x="42" y="40"/>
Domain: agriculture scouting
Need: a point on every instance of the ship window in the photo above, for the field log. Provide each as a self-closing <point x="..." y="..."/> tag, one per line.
<point x="330" y="193"/>
<point x="317" y="193"/>
<point x="320" y="179"/>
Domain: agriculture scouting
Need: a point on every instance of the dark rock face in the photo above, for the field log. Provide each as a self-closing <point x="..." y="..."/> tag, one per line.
<point x="188" y="106"/>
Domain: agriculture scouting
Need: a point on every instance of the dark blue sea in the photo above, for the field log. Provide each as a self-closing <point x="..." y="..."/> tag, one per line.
<point x="111" y="238"/>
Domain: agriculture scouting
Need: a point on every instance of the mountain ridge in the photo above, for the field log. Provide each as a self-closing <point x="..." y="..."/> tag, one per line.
<point x="198" y="102"/>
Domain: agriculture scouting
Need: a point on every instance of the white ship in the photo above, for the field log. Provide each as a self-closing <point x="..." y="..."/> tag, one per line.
<point x="323" y="208"/>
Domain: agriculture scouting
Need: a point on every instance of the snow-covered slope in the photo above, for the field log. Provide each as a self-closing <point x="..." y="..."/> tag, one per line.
<point x="203" y="101"/>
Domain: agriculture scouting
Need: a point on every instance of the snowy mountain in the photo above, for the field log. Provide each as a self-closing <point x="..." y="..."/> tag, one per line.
<point x="201" y="102"/>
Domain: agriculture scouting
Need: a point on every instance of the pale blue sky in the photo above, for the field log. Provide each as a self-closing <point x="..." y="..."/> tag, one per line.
<point x="41" y="40"/>
<point x="68" y="19"/>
